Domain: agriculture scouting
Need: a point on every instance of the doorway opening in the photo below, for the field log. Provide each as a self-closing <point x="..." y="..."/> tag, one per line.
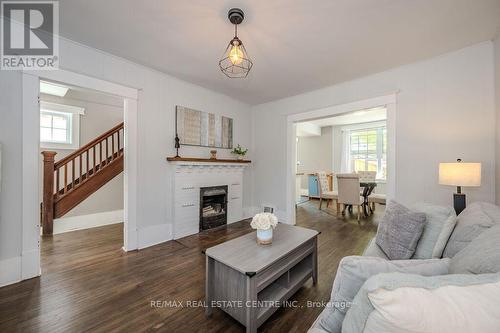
<point x="32" y="131"/>
<point x="82" y="127"/>
<point x="355" y="139"/>
<point x="81" y="167"/>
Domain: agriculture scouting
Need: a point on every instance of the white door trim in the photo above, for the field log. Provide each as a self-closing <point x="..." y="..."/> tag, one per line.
<point x="389" y="101"/>
<point x="85" y="81"/>
<point x="30" y="257"/>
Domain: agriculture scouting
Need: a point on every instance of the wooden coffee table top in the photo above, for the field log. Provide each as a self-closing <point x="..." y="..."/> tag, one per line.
<point x="246" y="256"/>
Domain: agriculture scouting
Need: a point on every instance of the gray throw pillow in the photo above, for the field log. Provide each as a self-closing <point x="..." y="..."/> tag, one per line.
<point x="481" y="256"/>
<point x="399" y="231"/>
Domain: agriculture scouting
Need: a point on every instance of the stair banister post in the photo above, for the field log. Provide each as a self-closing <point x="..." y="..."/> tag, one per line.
<point x="48" y="191"/>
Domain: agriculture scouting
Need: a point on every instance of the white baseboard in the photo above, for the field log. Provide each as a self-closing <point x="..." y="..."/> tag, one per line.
<point x="10" y="271"/>
<point x="153" y="235"/>
<point x="249" y="212"/>
<point x="160" y="233"/>
<point x="73" y="223"/>
<point x="281" y="215"/>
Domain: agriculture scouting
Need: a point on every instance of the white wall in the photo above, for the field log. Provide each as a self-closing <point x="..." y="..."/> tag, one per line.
<point x="158" y="95"/>
<point x="12" y="164"/>
<point x="315" y="154"/>
<point x="445" y="110"/>
<point x="100" y="116"/>
<point x="337" y="148"/>
<point x="497" y="95"/>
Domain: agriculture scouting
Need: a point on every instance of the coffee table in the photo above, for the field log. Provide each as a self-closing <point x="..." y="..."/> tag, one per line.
<point x="250" y="281"/>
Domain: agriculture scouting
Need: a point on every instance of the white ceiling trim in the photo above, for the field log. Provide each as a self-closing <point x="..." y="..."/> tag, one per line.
<point x="344" y="108"/>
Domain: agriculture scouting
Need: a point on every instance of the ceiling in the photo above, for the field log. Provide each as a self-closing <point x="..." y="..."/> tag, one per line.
<point x="296" y="45"/>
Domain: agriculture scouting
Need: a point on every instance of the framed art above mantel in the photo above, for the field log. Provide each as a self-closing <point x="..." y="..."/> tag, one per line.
<point x="203" y="129"/>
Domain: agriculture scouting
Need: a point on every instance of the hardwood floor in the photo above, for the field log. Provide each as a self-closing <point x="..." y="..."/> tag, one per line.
<point x="89" y="284"/>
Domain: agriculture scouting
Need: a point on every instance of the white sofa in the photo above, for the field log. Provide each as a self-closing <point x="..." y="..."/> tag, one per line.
<point x="471" y="257"/>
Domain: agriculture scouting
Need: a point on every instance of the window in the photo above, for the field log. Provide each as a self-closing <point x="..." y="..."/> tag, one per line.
<point x="55" y="127"/>
<point x="59" y="126"/>
<point x="368" y="150"/>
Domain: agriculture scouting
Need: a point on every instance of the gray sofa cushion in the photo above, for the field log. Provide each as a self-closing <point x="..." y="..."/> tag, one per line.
<point x="353" y="271"/>
<point x="440" y="221"/>
<point x="361" y="307"/>
<point x="373" y="250"/>
<point x="476" y="218"/>
<point x="481" y="256"/>
<point x="399" y="231"/>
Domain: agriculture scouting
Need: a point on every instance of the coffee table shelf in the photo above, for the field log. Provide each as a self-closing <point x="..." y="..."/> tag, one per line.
<point x="283" y="288"/>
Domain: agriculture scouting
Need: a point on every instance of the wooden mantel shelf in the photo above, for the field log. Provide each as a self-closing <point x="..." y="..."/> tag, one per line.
<point x="209" y="160"/>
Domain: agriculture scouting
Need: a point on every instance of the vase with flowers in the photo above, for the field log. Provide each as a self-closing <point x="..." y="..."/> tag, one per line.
<point x="264" y="223"/>
<point x="239" y="152"/>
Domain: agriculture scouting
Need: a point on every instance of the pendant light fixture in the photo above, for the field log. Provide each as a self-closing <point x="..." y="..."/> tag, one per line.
<point x="235" y="62"/>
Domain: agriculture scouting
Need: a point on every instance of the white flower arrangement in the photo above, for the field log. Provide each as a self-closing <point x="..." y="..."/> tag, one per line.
<point x="264" y="221"/>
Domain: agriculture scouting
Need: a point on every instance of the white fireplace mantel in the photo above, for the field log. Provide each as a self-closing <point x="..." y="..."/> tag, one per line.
<point x="187" y="165"/>
<point x="189" y="177"/>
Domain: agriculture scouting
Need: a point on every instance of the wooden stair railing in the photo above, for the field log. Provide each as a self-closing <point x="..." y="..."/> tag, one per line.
<point x="74" y="178"/>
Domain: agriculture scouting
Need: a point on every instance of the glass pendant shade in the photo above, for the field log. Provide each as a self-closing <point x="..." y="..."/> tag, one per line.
<point x="236" y="55"/>
<point x="235" y="62"/>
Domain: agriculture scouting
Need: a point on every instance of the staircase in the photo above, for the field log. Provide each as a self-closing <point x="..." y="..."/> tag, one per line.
<point x="71" y="180"/>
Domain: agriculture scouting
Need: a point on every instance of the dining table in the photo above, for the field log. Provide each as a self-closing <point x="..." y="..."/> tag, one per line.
<point x="368" y="187"/>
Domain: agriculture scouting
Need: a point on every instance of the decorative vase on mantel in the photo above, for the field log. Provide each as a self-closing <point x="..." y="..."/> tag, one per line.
<point x="264" y="223"/>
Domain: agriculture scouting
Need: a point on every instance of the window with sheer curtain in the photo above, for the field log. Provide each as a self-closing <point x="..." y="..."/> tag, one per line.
<point x="368" y="150"/>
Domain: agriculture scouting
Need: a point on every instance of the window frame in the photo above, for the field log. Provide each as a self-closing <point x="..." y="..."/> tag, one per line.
<point x="73" y="125"/>
<point x="380" y="128"/>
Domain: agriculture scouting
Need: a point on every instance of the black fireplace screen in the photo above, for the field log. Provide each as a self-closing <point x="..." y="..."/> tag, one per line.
<point x="213" y="207"/>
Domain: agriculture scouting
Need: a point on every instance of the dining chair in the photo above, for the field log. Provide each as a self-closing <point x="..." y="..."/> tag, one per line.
<point x="376" y="198"/>
<point x="348" y="191"/>
<point x="324" y="189"/>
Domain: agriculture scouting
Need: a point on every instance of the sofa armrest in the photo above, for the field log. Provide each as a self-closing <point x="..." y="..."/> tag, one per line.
<point x="352" y="273"/>
<point x="361" y="308"/>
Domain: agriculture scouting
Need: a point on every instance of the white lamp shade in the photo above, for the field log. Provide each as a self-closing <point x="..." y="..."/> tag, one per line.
<point x="460" y="174"/>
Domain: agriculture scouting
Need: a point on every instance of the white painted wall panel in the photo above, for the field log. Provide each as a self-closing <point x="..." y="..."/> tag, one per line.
<point x="445" y="110"/>
<point x="158" y="95"/>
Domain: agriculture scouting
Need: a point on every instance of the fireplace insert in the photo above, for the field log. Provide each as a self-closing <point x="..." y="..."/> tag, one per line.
<point x="213" y="207"/>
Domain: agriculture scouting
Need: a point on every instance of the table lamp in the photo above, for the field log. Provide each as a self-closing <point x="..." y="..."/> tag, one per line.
<point x="460" y="174"/>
